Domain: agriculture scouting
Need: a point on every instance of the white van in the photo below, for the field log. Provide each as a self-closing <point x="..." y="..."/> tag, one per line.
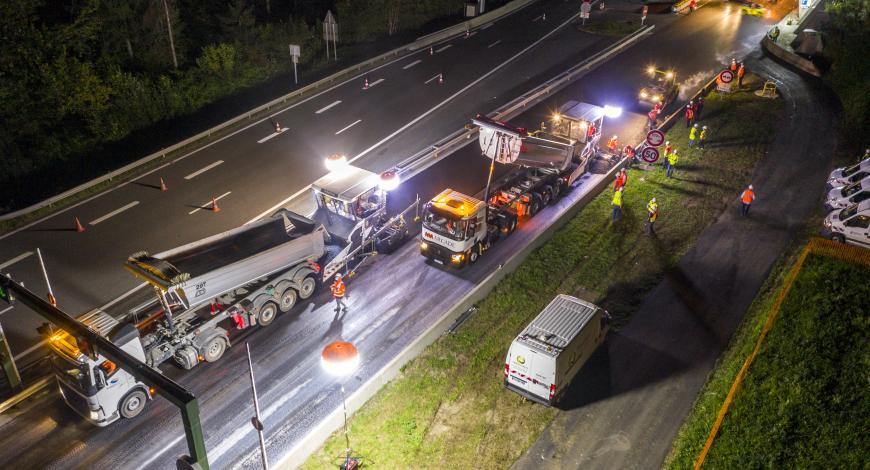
<point x="850" y="225"/>
<point x="849" y="174"/>
<point x="549" y="352"/>
<point x="844" y="196"/>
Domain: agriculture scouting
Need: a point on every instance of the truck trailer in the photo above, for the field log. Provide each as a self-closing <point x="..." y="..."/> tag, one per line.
<point x="459" y="228"/>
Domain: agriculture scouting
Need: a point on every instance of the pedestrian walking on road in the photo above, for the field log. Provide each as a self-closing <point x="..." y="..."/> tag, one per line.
<point x="672" y="163"/>
<point x="619" y="182"/>
<point x="338" y="293"/>
<point x="652" y="214"/>
<point x="668" y="150"/>
<point x="690" y="116"/>
<point x="740" y="72"/>
<point x="617" y="204"/>
<point x="702" y="138"/>
<point x="693" y="133"/>
<point x="746" y="199"/>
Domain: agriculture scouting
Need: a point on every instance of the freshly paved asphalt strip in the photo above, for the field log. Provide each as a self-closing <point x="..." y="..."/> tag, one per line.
<point x="628" y="403"/>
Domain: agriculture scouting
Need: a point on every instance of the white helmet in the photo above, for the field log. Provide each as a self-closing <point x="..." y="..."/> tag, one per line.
<point x="704" y="127"/>
<point x="750" y="186"/>
<point x="696" y="125"/>
<point x="337" y="276"/>
<point x="653" y="200"/>
<point x="667" y="142"/>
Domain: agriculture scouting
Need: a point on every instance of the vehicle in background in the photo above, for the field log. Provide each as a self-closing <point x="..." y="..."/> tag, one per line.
<point x="661" y="88"/>
<point x="850" y="225"/>
<point x="851" y="174"/>
<point x="844" y="196"/>
<point x="458" y="228"/>
<point x="551" y="350"/>
<point x="753" y="9"/>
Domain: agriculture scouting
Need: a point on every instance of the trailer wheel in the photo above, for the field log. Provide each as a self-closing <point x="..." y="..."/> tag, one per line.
<point x="535" y="206"/>
<point x="307" y="287"/>
<point x="214" y="349"/>
<point x="475" y="254"/>
<point x="133" y="404"/>
<point x="269" y="311"/>
<point x="288" y="300"/>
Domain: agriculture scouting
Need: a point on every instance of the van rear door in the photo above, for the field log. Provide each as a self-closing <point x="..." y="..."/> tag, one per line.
<point x="526" y="372"/>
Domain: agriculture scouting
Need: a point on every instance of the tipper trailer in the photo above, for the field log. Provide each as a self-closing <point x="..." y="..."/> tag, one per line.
<point x="234" y="280"/>
<point x="458" y="228"/>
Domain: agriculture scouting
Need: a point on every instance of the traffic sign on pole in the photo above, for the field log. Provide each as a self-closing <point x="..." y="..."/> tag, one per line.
<point x="643" y="15"/>
<point x="726" y="76"/>
<point x="655" y="138"/>
<point x="649" y="154"/>
<point x="585" y="8"/>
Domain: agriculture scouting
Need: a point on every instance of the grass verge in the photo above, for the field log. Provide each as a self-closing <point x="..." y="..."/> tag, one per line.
<point x="803" y="402"/>
<point x="610" y="27"/>
<point x="448" y="409"/>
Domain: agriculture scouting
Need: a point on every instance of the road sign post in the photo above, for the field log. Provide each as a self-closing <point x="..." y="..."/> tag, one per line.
<point x="655" y="138"/>
<point x="295" y="52"/>
<point x="724" y="81"/>
<point x="643" y="15"/>
<point x="330" y="33"/>
<point x="585" y="8"/>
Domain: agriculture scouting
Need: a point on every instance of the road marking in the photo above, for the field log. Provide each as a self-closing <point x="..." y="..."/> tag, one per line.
<point x="444" y="48"/>
<point x="375" y="82"/>
<point x="433" y="78"/>
<point x="493" y="44"/>
<point x="209" y="202"/>
<point x="113" y="213"/>
<point x="271" y="135"/>
<point x="377" y="324"/>
<point x="30" y="350"/>
<point x="348" y="127"/>
<point x="156" y="455"/>
<point x="233" y="439"/>
<point x="6" y="309"/>
<point x="202" y="170"/>
<point x="537" y="18"/>
<point x="16" y="259"/>
<point x="471" y="34"/>
<point x="411" y="64"/>
<point x="486" y="26"/>
<point x="326" y="108"/>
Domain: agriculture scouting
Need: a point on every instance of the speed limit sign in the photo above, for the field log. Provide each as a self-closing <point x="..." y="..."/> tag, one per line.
<point x="726" y="76"/>
<point x="649" y="154"/>
<point x="655" y="138"/>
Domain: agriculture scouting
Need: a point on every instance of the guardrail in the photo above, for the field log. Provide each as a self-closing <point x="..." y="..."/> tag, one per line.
<point x="420" y="43"/>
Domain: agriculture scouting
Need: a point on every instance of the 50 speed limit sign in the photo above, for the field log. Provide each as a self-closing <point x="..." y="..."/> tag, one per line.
<point x="649" y="154"/>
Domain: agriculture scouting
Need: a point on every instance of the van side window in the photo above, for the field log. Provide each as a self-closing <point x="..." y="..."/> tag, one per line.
<point x="861" y="221"/>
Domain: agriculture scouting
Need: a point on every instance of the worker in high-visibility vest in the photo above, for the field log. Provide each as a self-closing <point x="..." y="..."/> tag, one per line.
<point x="338" y="293"/>
<point x="652" y="212"/>
<point x="613" y="143"/>
<point x="672" y="163"/>
<point x="693" y="134"/>
<point x="746" y="199"/>
<point x="668" y="150"/>
<point x="690" y="116"/>
<point x="733" y="64"/>
<point x="740" y="72"/>
<point x="617" y="204"/>
<point x="702" y="138"/>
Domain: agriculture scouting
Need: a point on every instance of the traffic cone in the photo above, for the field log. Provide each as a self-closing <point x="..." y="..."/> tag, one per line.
<point x="163" y="185"/>
<point x="440" y="78"/>
<point x="431" y="50"/>
<point x="79" y="227"/>
<point x="366" y="84"/>
<point x="214" y="206"/>
<point x="467" y="34"/>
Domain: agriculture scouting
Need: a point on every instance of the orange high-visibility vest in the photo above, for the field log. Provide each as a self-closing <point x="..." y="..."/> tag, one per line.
<point x="741" y="71"/>
<point x="338" y="288"/>
<point x="748" y="196"/>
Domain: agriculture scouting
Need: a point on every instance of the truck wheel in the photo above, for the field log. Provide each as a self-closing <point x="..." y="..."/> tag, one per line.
<point x="269" y="311"/>
<point x="535" y="206"/>
<point x="215" y="348"/>
<point x="133" y="404"/>
<point x="288" y="300"/>
<point x="307" y="287"/>
<point x="838" y="238"/>
<point x="546" y="196"/>
<point x="512" y="226"/>
<point x="474" y="255"/>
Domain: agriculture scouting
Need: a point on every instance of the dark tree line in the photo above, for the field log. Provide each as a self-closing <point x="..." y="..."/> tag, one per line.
<point x="76" y="74"/>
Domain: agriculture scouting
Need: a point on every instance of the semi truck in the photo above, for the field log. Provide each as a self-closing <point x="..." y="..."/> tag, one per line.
<point x="227" y="282"/>
<point x="459" y="228"/>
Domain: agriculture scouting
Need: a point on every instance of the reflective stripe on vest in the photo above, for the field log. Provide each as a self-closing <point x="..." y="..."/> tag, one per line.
<point x="338" y="289"/>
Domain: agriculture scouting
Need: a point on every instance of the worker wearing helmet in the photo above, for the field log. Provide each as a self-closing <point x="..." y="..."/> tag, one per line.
<point x="746" y="199"/>
<point x="613" y="143"/>
<point x="338" y="293"/>
<point x="702" y="138"/>
<point x="652" y="212"/>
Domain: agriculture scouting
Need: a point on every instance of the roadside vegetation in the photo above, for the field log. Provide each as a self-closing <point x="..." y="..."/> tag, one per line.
<point x="803" y="402"/>
<point x="448" y="408"/>
<point x="611" y="27"/>
<point x="89" y="86"/>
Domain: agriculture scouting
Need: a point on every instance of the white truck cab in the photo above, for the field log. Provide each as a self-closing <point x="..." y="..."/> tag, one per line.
<point x="850" y="174"/>
<point x="548" y="353"/>
<point x="844" y="196"/>
<point x="850" y="225"/>
<point x="454" y="229"/>
<point x="96" y="388"/>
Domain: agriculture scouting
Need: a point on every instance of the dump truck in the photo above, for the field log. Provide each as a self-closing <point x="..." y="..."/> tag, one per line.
<point x="230" y="281"/>
<point x="458" y="228"/>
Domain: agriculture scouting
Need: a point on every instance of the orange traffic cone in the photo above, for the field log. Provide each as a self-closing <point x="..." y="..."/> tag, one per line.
<point x="440" y="78"/>
<point x="366" y="84"/>
<point x="214" y="206"/>
<point x="79" y="227"/>
<point x="163" y="185"/>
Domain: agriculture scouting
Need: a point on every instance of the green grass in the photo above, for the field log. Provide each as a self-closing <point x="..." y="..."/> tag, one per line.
<point x="448" y="408"/>
<point x="610" y="27"/>
<point x="804" y="401"/>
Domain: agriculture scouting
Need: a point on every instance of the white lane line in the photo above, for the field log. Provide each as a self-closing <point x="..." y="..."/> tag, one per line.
<point x="271" y="135"/>
<point x="30" y="350"/>
<point x="202" y="170"/>
<point x="493" y="44"/>
<point x="159" y="453"/>
<point x="113" y="213"/>
<point x="326" y="108"/>
<point x="16" y="259"/>
<point x="472" y="33"/>
<point x="375" y="82"/>
<point x="444" y="48"/>
<point x="6" y="309"/>
<point x="233" y="439"/>
<point x="486" y="26"/>
<point x="466" y="88"/>
<point x="348" y="127"/>
<point x="209" y="202"/>
<point x="537" y="18"/>
<point x="411" y="64"/>
<point x="433" y="78"/>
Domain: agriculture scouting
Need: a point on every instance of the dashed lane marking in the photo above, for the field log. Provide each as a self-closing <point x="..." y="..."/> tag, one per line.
<point x="202" y="170"/>
<point x="114" y="213"/>
<point x="443" y="48"/>
<point x="493" y="44"/>
<point x="16" y="259"/>
<point x="205" y="206"/>
<point x="326" y="108"/>
<point x="411" y="64"/>
<point x="348" y="127"/>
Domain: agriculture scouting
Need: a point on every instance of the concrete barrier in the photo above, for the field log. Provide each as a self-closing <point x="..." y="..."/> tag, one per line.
<point x="789" y="57"/>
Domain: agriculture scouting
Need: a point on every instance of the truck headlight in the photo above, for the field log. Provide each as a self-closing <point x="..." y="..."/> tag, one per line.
<point x="828" y="224"/>
<point x="643" y="94"/>
<point x="94" y="415"/>
<point x="457" y="258"/>
<point x="424" y="246"/>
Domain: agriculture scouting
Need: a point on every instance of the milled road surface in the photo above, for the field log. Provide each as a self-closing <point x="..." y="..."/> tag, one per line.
<point x="628" y="403"/>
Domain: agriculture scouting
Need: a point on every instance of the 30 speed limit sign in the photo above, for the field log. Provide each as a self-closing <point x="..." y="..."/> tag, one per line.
<point x="726" y="76"/>
<point x="649" y="154"/>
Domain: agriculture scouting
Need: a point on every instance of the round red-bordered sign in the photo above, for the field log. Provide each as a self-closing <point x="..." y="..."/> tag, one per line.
<point x="655" y="138"/>
<point x="649" y="154"/>
<point x="726" y="76"/>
